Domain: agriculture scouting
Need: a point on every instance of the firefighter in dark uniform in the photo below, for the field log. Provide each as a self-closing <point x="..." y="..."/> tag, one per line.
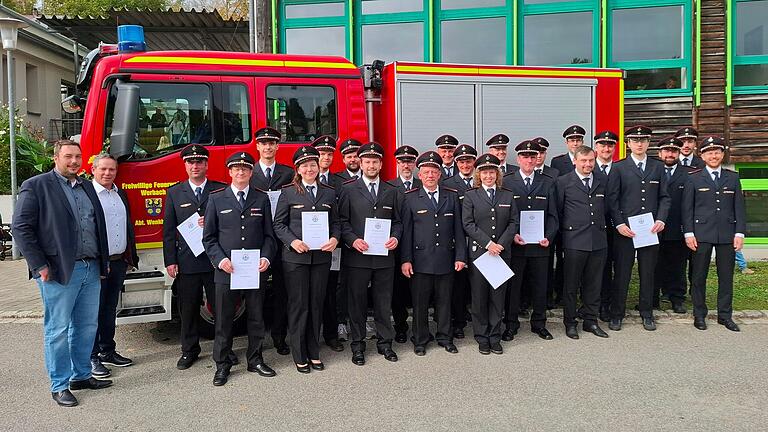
<point x="348" y="149"/>
<point x="497" y="146"/>
<point x="238" y="217"/>
<point x="574" y="137"/>
<point x="270" y="176"/>
<point x="532" y="192"/>
<point x="581" y="206"/>
<point x="464" y="155"/>
<point x="714" y="217"/>
<point x="689" y="136"/>
<point x="193" y="274"/>
<point x="670" y="267"/>
<point x="541" y="167"/>
<point x="362" y="198"/>
<point x="636" y="185"/>
<point x="401" y="295"/>
<point x="433" y="249"/>
<point x="306" y="270"/>
<point x="446" y="144"/>
<point x="605" y="146"/>
<point x="490" y="221"/>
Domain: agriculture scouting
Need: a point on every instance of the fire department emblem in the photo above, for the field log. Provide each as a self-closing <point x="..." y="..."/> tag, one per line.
<point x="315" y="218"/>
<point x="246" y="257"/>
<point x="153" y="206"/>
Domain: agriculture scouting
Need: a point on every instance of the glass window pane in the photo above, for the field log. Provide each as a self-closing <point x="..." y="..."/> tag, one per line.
<point x="379" y="43"/>
<point x="317" y="41"/>
<point x="314" y="10"/>
<point x="236" y="114"/>
<point x="390" y="6"/>
<point x="751" y="75"/>
<point x="655" y="79"/>
<point x="302" y="113"/>
<point x="752" y="28"/>
<point x="647" y="33"/>
<point x="753" y="173"/>
<point x="488" y="44"/>
<point x="463" y="4"/>
<point x="757" y="213"/>
<point x="543" y="1"/>
<point x="556" y="39"/>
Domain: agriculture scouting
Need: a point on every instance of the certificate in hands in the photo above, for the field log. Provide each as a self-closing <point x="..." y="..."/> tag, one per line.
<point x="494" y="269"/>
<point x="192" y="234"/>
<point x="532" y="226"/>
<point x="314" y="229"/>
<point x="642" y="225"/>
<point x="245" y="263"/>
<point x="376" y="234"/>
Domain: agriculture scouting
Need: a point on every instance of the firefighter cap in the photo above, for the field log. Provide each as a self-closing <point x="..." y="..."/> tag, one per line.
<point x="304" y="154"/>
<point x="712" y="143"/>
<point x="194" y="152"/>
<point x="498" y="140"/>
<point x="639" y="131"/>
<point x="687" y="132"/>
<point x="574" y="131"/>
<point x="464" y="151"/>
<point x="527" y="147"/>
<point x="371" y="149"/>
<point x="670" y="143"/>
<point x="241" y="159"/>
<point x="350" y="145"/>
<point x="446" y="142"/>
<point x="606" y="138"/>
<point x="406" y="152"/>
<point x="429" y="158"/>
<point x="542" y="142"/>
<point x="325" y="143"/>
<point x="487" y="161"/>
<point x="267" y="134"/>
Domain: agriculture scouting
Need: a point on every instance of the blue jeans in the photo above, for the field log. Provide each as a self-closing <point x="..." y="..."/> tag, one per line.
<point x="740" y="260"/>
<point x="69" y="324"/>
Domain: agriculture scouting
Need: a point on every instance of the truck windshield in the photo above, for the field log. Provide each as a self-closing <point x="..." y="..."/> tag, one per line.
<point x="171" y="116"/>
<point x="302" y="113"/>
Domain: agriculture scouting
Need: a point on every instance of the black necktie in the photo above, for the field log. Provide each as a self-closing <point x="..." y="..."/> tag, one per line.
<point x="323" y="179"/>
<point x="503" y="169"/>
<point x="640" y="166"/>
<point x="447" y="171"/>
<point x="373" y="191"/>
<point x="268" y="175"/>
<point x="311" y="190"/>
<point x="716" y="178"/>
<point x="604" y="168"/>
<point x="241" y="199"/>
<point x="539" y="171"/>
<point x="468" y="181"/>
<point x="685" y="161"/>
<point x="528" y="184"/>
<point x="669" y="173"/>
<point x="355" y="177"/>
<point x="199" y="194"/>
<point x="432" y="198"/>
<point x="492" y="195"/>
<point x="586" y="183"/>
<point x="407" y="185"/>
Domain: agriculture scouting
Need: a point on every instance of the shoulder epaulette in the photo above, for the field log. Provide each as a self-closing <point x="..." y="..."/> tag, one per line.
<point x="350" y="180"/>
<point x="411" y="190"/>
<point x="507" y="189"/>
<point x="326" y="185"/>
<point x="509" y="173"/>
<point x="217" y="190"/>
<point x="543" y="173"/>
<point x="729" y="170"/>
<point x="286" y="185"/>
<point x="260" y="190"/>
<point x="450" y="189"/>
<point x="694" y="171"/>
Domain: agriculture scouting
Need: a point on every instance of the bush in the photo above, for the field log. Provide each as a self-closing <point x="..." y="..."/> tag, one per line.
<point x="33" y="154"/>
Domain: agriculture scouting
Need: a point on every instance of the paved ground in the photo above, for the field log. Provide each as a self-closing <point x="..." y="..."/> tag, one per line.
<point x="677" y="378"/>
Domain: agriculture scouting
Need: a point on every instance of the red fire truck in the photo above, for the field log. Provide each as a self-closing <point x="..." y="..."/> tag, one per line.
<point x="144" y="107"/>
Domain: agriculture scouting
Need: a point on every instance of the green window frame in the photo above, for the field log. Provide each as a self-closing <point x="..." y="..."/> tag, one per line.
<point x="360" y="20"/>
<point x="562" y="7"/>
<point x="754" y="184"/>
<point x="735" y="60"/>
<point x="505" y="11"/>
<point x="683" y="62"/>
<point x="345" y="21"/>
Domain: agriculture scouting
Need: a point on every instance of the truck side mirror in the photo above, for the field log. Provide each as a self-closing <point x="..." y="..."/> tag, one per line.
<point x="126" y="116"/>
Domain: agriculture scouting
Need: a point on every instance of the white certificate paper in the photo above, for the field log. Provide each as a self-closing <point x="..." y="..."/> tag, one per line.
<point x="376" y="234"/>
<point x="532" y="226"/>
<point x="336" y="259"/>
<point x="314" y="229"/>
<point x="192" y="234"/>
<point x="273" y="197"/>
<point x="642" y="225"/>
<point x="246" y="269"/>
<point x="494" y="269"/>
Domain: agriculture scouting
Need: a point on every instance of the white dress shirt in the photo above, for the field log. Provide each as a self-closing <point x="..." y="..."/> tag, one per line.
<point x="115" y="216"/>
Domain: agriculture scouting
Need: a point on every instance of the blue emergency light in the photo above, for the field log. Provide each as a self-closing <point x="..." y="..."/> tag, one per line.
<point x="130" y="38"/>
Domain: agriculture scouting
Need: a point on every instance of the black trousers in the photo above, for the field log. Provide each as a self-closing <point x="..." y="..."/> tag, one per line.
<point x="108" y="299"/>
<point x="401" y="299"/>
<point x="381" y="294"/>
<point x="724" y="261"/>
<point x="226" y="302"/>
<point x="342" y="299"/>
<point x="330" y="305"/>
<point x="487" y="307"/>
<point x="189" y="293"/>
<point x="423" y="287"/>
<point x="670" y="270"/>
<point x="460" y="298"/>
<point x="305" y="286"/>
<point x="530" y="272"/>
<point x="279" y="302"/>
<point x="624" y="256"/>
<point x="606" y="289"/>
<point x="583" y="272"/>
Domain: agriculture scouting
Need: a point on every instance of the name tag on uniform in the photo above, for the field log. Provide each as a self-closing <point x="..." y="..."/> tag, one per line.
<point x="515" y="196"/>
<point x="448" y="214"/>
<point x="728" y="192"/>
<point x="298" y="206"/>
<point x="386" y="207"/>
<point x="703" y="189"/>
<point x="505" y="205"/>
<point x="654" y="182"/>
<point x="420" y="211"/>
<point x="226" y="211"/>
<point x="600" y="195"/>
<point x="185" y="205"/>
<point x="256" y="212"/>
<point x="327" y="205"/>
<point x="541" y="197"/>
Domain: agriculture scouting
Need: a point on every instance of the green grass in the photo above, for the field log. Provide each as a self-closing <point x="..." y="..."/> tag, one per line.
<point x="750" y="292"/>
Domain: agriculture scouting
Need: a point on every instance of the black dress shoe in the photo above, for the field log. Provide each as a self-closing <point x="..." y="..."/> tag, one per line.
<point x="98" y="370"/>
<point x="649" y="324"/>
<point x="334" y="345"/>
<point x="358" y="358"/>
<point x="595" y="330"/>
<point x="572" y="332"/>
<point x="64" y="398"/>
<point x="262" y="369"/>
<point x="700" y="323"/>
<point x="484" y="348"/>
<point x="451" y="348"/>
<point x="221" y="376"/>
<point x="615" y="325"/>
<point x="508" y="335"/>
<point x="282" y="348"/>
<point x="318" y="366"/>
<point x="305" y="369"/>
<point x="90" y="383"/>
<point x="388" y="354"/>
<point x="678" y="308"/>
<point x="186" y="361"/>
<point x="496" y="348"/>
<point x="115" y="359"/>
<point x="543" y="333"/>
<point x="401" y="337"/>
<point x="458" y="333"/>
<point x="420" y="350"/>
<point x="729" y="324"/>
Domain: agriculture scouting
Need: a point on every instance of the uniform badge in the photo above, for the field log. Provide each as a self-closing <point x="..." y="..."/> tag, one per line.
<point x="185" y="205"/>
<point x="153" y="206"/>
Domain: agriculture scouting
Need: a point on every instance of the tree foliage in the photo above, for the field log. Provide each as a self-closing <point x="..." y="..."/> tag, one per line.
<point x="96" y="7"/>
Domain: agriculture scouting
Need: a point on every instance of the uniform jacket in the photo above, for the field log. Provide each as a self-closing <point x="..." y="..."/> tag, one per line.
<point x="548" y="170"/>
<point x="582" y="214"/>
<point x="227" y="227"/>
<point x="341" y="177"/>
<point x="42" y="227"/>
<point x="696" y="162"/>
<point x="281" y="176"/>
<point x="433" y="239"/>
<point x="673" y="230"/>
<point x="287" y="223"/>
<point x="562" y="164"/>
<point x="356" y="204"/>
<point x="457" y="182"/>
<point x="398" y="183"/>
<point x="180" y="204"/>
<point x="714" y="214"/>
<point x="485" y="221"/>
<point x="541" y="197"/>
<point x="632" y="192"/>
